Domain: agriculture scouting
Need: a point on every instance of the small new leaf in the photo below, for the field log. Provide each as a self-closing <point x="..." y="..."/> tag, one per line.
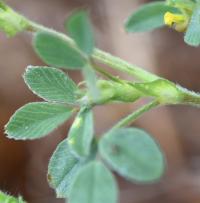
<point x="94" y="184"/>
<point x="133" y="154"/>
<point x="35" y="120"/>
<point x="148" y="17"/>
<point x="57" y="52"/>
<point x="79" y="27"/>
<point x="81" y="133"/>
<point x="51" y="84"/>
<point x="192" y="36"/>
<point x="63" y="168"/>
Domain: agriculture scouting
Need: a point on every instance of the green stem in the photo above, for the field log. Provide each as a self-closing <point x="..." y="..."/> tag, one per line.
<point x="189" y="97"/>
<point x="106" y="74"/>
<point x="91" y="80"/>
<point x="103" y="57"/>
<point x="121" y="65"/>
<point x="116" y="63"/>
<point x="18" y="23"/>
<point x="133" y="116"/>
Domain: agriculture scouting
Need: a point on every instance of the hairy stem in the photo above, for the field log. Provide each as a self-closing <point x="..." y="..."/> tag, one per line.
<point x="188" y="97"/>
<point x="121" y="65"/>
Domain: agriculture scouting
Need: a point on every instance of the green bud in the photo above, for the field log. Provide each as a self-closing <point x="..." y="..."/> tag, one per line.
<point x="121" y="92"/>
<point x="165" y="91"/>
<point x="11" y="22"/>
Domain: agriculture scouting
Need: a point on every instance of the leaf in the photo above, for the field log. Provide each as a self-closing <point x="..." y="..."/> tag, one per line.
<point x="80" y="29"/>
<point x="35" y="120"/>
<point x="148" y="17"/>
<point x="63" y="168"/>
<point x="94" y="184"/>
<point x="133" y="154"/>
<point x="5" y="198"/>
<point x="81" y="133"/>
<point x="57" y="52"/>
<point x="51" y="84"/>
<point x="192" y="36"/>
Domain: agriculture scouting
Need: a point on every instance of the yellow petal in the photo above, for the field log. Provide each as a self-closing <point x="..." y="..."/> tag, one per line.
<point x="178" y="22"/>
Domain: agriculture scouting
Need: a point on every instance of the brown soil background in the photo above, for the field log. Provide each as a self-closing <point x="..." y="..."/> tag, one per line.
<point x="23" y="165"/>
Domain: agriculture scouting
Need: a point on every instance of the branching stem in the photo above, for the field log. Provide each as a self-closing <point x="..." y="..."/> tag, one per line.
<point x="136" y="114"/>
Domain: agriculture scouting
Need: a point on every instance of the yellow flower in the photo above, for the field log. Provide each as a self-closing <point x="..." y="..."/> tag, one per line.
<point x="178" y="22"/>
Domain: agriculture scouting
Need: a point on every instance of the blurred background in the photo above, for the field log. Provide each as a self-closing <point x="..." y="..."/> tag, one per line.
<point x="23" y="165"/>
